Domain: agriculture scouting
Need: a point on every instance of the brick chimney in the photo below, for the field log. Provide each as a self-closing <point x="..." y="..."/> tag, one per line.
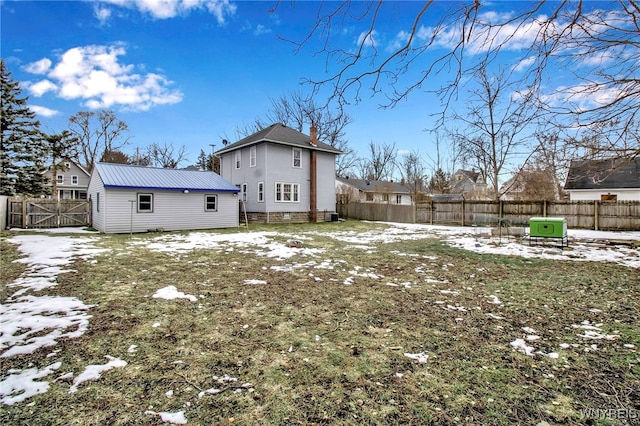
<point x="313" y="133"/>
<point x="313" y="176"/>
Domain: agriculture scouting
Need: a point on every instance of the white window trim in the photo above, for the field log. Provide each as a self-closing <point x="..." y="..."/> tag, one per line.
<point x="295" y="192"/>
<point x="293" y="158"/>
<point x="206" y="202"/>
<point x="252" y="156"/>
<point x="74" y="177"/>
<point x="138" y="202"/>
<point x="59" y="178"/>
<point x="261" y="192"/>
<point x="243" y="190"/>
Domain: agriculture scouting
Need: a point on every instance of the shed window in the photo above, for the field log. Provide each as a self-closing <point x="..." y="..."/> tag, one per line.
<point x="252" y="156"/>
<point x="210" y="203"/>
<point x="297" y="157"/>
<point x="145" y="203"/>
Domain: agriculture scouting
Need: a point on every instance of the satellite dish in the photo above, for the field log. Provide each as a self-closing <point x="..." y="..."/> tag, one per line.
<point x="225" y="142"/>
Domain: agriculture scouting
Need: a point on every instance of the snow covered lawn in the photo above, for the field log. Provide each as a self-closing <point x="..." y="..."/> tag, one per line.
<point x="362" y="323"/>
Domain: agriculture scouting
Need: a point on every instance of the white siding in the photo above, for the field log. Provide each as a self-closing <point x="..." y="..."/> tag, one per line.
<point x="172" y="211"/>
<point x="96" y="193"/>
<point x="594" y="195"/>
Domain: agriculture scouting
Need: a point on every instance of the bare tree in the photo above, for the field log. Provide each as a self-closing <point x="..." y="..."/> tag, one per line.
<point x="496" y="121"/>
<point x="166" y="155"/>
<point x="381" y="163"/>
<point x="413" y="172"/>
<point x="298" y="111"/>
<point x="98" y="133"/>
<point x="456" y="39"/>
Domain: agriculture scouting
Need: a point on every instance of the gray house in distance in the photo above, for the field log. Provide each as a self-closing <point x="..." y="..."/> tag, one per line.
<point x="282" y="174"/>
<point x="71" y="180"/>
<point x="129" y="198"/>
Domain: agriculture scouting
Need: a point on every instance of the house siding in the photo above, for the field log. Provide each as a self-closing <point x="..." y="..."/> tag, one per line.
<point x="595" y="194"/>
<point x="274" y="163"/>
<point x="96" y="192"/>
<point x="67" y="186"/>
<point x="172" y="211"/>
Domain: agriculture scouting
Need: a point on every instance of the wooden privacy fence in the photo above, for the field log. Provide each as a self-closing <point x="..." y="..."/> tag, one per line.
<point x="44" y="213"/>
<point x="621" y="215"/>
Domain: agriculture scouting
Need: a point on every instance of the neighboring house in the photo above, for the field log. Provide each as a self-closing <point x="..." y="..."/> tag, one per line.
<point x="129" y="198"/>
<point x="372" y="191"/>
<point x="604" y="180"/>
<point x="470" y="184"/>
<point x="282" y="174"/>
<point x="72" y="180"/>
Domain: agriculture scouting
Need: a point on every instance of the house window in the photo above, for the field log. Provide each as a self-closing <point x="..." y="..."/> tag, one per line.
<point x="210" y="203"/>
<point x="252" y="156"/>
<point x="244" y="192"/>
<point x="287" y="192"/>
<point x="385" y="198"/>
<point x="398" y="199"/>
<point x="74" y="180"/>
<point x="369" y="196"/>
<point x="261" y="192"/>
<point x="67" y="165"/>
<point x="60" y="179"/>
<point x="297" y="158"/>
<point x="238" y="156"/>
<point x="145" y="203"/>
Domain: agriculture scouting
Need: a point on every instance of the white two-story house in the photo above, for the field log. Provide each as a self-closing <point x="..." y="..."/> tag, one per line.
<point x="283" y="175"/>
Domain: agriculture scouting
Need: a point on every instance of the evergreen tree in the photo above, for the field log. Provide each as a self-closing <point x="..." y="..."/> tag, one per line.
<point x="60" y="146"/>
<point x="22" y="146"/>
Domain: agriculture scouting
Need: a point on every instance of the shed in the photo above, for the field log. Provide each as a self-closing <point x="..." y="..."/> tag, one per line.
<point x="128" y="198"/>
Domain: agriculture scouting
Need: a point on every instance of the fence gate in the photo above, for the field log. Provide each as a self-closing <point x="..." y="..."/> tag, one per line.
<point x="43" y="213"/>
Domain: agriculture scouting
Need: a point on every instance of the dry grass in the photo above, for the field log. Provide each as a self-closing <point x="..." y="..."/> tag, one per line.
<point x="317" y="351"/>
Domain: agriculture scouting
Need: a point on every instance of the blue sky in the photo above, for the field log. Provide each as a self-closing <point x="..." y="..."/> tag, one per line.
<point x="189" y="72"/>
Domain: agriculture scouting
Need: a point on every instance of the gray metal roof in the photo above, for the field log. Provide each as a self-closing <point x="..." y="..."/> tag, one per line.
<point x="604" y="174"/>
<point x="137" y="177"/>
<point x="376" y="186"/>
<point x="280" y="134"/>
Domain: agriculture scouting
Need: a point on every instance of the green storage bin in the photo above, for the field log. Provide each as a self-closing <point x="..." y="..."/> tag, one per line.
<point x="549" y="227"/>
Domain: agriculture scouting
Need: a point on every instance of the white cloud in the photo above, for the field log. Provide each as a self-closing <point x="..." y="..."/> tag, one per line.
<point x="40" y="88"/>
<point x="102" y="14"/>
<point x="261" y="29"/>
<point x="367" y="39"/>
<point x="524" y="64"/>
<point x="165" y="9"/>
<point x="95" y="75"/>
<point x="38" y="67"/>
<point x="43" y="111"/>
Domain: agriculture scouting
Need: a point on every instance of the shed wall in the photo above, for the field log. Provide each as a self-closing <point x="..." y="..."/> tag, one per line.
<point x="172" y="211"/>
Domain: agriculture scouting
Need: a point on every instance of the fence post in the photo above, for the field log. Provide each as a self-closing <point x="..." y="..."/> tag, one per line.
<point x="595" y="215"/>
<point x="431" y="215"/>
<point x="544" y="208"/>
<point x="462" y="208"/>
<point x="24" y="214"/>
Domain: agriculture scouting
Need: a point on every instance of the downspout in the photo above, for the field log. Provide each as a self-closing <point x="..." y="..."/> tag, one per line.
<point x="313" y="176"/>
